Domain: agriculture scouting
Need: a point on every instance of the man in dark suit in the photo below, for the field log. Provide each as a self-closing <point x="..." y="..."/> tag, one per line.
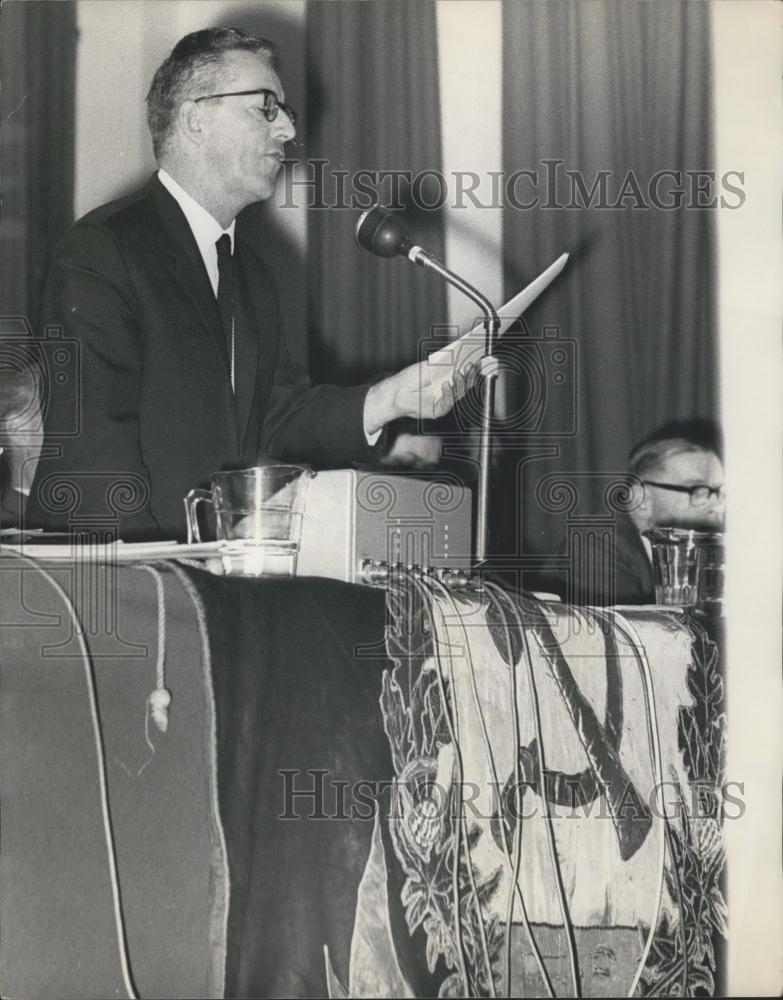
<point x="176" y="318"/>
<point x="677" y="480"/>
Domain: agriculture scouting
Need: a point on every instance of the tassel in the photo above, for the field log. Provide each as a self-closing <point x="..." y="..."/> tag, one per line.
<point x="159" y="702"/>
<point x="160" y="699"/>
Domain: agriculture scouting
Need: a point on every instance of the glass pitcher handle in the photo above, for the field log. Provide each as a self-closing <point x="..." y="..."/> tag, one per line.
<point x="192" y="500"/>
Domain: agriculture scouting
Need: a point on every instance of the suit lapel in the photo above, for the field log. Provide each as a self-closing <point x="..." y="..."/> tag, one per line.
<point x="256" y="316"/>
<point x="186" y="265"/>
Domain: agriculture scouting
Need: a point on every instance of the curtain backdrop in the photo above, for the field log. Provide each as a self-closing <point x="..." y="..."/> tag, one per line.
<point x="373" y="105"/>
<point x="622" y="88"/>
<point x="38" y="43"/>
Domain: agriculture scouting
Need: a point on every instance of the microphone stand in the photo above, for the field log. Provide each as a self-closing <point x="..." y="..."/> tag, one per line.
<point x="491" y="326"/>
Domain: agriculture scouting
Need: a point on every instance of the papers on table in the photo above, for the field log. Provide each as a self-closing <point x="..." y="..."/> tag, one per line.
<point x="116" y="552"/>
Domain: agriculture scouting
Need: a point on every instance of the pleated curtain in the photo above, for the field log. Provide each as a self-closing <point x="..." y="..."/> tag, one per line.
<point x="373" y="106"/>
<point x="622" y="88"/>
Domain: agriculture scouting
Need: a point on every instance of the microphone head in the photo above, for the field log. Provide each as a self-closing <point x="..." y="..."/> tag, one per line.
<point x="380" y="232"/>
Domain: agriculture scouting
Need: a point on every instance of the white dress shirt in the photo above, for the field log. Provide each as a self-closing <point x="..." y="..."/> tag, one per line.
<point x="205" y="228"/>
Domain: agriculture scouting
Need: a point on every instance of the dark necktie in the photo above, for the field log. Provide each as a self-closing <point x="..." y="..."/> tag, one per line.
<point x="225" y="297"/>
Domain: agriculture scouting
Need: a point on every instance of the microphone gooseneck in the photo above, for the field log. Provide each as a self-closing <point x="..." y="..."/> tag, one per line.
<point x="381" y="232"/>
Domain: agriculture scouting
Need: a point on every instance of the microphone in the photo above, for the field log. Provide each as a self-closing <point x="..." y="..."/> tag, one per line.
<point x="380" y="232"/>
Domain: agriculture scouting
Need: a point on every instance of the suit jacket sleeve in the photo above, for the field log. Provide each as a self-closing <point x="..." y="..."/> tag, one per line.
<point x="323" y="423"/>
<point x="92" y="417"/>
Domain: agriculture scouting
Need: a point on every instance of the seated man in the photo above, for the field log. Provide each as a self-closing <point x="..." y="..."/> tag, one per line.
<point x="678" y="482"/>
<point x="173" y="318"/>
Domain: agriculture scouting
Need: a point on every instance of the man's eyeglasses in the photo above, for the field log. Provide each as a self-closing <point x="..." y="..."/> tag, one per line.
<point x="699" y="496"/>
<point x="271" y="102"/>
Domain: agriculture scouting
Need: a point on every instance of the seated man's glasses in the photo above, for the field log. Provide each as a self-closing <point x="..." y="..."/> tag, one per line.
<point x="699" y="496"/>
<point x="271" y="102"/>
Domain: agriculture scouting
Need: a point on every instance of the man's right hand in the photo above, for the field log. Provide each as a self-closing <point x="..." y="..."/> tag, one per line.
<point x="415" y="392"/>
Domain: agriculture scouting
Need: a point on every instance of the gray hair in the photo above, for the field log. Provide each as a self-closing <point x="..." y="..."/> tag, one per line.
<point x="654" y="455"/>
<point x="677" y="437"/>
<point x="192" y="66"/>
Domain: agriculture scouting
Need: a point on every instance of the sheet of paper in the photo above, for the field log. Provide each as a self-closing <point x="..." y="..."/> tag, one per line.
<point x="454" y="358"/>
<point x="119" y="552"/>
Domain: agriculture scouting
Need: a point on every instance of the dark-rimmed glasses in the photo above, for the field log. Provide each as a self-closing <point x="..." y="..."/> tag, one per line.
<point x="272" y="103"/>
<point x="699" y="496"/>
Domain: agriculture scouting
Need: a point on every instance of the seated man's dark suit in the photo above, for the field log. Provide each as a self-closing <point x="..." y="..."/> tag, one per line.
<point x="156" y="413"/>
<point x="588" y="580"/>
